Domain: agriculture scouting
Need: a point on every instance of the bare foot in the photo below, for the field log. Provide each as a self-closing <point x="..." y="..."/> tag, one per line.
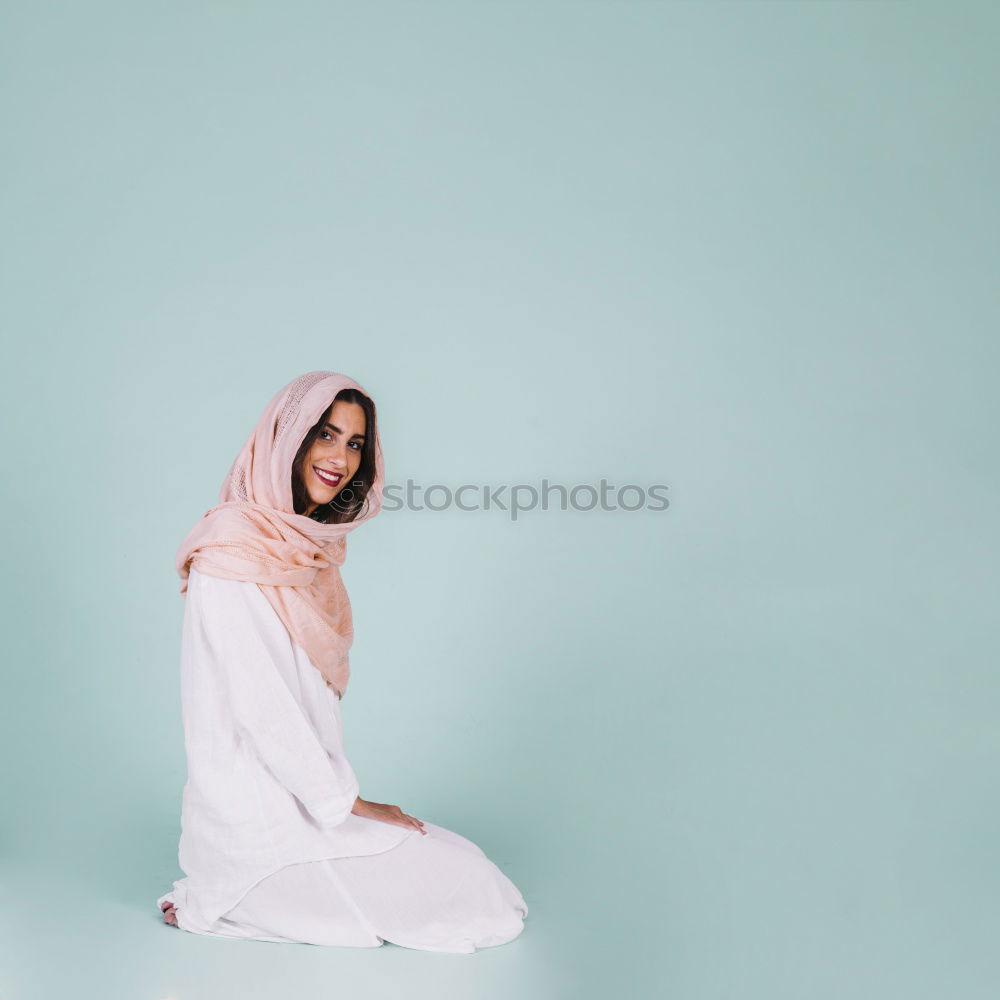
<point x="169" y="913"/>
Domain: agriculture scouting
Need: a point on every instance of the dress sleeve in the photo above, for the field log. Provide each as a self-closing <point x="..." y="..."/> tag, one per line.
<point x="254" y="655"/>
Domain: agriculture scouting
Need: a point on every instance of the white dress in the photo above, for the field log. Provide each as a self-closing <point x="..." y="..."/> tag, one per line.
<point x="269" y="846"/>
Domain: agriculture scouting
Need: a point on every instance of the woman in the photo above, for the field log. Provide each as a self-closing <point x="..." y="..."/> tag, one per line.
<point x="276" y="843"/>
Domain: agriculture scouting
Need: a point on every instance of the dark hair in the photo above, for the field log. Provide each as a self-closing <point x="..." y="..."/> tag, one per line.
<point x="352" y="499"/>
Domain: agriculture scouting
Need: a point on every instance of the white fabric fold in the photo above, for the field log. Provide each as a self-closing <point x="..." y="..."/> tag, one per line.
<point x="269" y="783"/>
<point x="269" y="700"/>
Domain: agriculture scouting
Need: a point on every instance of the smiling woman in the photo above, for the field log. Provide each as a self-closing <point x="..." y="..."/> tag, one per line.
<point x="333" y="455"/>
<point x="276" y="842"/>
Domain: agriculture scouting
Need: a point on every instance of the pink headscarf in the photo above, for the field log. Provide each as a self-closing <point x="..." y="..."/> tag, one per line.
<point x="253" y="533"/>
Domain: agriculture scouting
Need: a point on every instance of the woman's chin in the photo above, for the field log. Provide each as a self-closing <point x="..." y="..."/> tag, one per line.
<point x="320" y="501"/>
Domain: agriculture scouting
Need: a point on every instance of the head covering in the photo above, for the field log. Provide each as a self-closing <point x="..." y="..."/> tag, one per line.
<point x="254" y="534"/>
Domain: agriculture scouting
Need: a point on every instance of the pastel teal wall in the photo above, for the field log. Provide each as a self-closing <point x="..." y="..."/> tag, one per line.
<point x="745" y="747"/>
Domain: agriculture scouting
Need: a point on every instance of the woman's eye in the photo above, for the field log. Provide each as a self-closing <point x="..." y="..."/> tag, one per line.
<point x="327" y="436"/>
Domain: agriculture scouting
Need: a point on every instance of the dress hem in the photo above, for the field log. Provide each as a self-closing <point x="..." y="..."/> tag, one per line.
<point x="213" y="917"/>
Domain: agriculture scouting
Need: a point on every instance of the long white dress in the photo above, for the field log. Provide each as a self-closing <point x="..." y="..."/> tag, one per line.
<point x="269" y="846"/>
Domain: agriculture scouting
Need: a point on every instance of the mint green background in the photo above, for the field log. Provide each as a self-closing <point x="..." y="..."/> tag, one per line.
<point x="743" y="748"/>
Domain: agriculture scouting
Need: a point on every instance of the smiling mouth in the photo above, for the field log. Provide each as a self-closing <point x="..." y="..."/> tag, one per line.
<point x="327" y="478"/>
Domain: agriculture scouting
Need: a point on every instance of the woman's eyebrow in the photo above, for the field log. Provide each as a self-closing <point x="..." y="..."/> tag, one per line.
<point x="339" y="431"/>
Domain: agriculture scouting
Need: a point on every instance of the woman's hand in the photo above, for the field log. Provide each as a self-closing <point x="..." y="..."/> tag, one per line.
<point x="386" y="814"/>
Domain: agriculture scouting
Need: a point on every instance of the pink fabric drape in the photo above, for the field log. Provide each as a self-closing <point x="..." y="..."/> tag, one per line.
<point x="253" y="533"/>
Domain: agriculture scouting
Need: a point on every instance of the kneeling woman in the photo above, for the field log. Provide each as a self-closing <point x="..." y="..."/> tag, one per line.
<point x="276" y="843"/>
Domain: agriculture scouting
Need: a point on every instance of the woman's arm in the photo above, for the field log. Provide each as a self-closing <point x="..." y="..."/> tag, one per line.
<point x="252" y="651"/>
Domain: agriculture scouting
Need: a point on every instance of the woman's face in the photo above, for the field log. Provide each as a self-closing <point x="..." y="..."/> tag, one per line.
<point x="335" y="455"/>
